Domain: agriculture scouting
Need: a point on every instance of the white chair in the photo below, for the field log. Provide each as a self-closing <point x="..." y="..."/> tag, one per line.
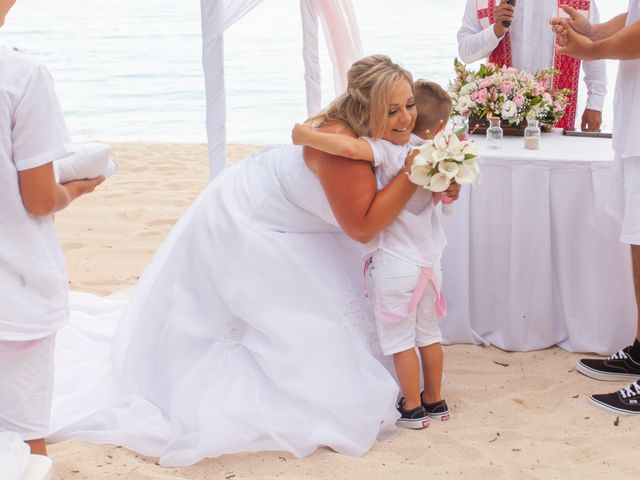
<point x="39" y="468"/>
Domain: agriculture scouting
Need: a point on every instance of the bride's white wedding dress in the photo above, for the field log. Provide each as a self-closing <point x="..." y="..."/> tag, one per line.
<point x="247" y="332"/>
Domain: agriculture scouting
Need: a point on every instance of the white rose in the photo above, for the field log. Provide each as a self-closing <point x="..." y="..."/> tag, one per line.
<point x="465" y="104"/>
<point x="450" y="169"/>
<point x="509" y="110"/>
<point x="420" y="175"/>
<point x="465" y="174"/>
<point x="439" y="183"/>
<point x="467" y="89"/>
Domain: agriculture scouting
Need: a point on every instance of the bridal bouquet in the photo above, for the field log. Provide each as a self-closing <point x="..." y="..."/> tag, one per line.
<point x="507" y="93"/>
<point x="444" y="159"/>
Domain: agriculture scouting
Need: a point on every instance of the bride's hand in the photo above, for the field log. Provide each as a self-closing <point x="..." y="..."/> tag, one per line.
<point x="299" y="132"/>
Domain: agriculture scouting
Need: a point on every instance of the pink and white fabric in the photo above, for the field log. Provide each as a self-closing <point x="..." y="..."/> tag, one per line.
<point x="343" y="39"/>
<point x="569" y="67"/>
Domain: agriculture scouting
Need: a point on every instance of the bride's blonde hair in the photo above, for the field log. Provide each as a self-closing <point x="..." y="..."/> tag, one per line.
<point x="364" y="106"/>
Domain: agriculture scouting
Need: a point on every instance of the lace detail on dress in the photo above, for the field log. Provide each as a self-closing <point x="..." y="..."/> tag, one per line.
<point x="359" y="318"/>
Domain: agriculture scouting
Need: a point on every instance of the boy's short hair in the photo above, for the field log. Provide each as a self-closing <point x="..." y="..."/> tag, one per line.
<point x="433" y="105"/>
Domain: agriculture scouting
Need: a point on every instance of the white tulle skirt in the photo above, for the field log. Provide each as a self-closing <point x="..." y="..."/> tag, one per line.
<point x="247" y="332"/>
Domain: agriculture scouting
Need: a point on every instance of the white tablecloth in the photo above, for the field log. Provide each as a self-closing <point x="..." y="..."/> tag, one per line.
<point x="533" y="259"/>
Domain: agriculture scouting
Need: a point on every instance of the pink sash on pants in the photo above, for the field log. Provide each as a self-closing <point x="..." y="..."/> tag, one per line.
<point x="426" y="276"/>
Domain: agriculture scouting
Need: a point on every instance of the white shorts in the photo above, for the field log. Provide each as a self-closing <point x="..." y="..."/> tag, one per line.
<point x="393" y="281"/>
<point x="624" y="199"/>
<point x="26" y="386"/>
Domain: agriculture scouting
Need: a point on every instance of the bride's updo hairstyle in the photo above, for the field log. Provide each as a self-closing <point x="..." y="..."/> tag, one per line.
<point x="364" y="106"/>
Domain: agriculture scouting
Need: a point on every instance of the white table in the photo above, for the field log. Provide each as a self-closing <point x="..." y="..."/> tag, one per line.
<point x="533" y="259"/>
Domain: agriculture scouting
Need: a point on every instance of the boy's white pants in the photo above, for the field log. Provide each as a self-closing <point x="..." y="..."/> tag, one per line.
<point x="26" y="386"/>
<point x="394" y="280"/>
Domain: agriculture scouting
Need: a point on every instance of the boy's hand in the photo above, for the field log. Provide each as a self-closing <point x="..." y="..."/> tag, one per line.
<point x="299" y="133"/>
<point x="453" y="192"/>
<point x="77" y="188"/>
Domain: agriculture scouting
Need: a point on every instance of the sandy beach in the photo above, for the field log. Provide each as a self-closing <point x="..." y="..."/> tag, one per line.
<point x="514" y="415"/>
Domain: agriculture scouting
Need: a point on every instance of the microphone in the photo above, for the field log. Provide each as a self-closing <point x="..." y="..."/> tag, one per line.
<point x="507" y="23"/>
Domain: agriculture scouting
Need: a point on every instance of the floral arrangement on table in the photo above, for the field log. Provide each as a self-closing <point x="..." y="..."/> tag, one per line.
<point x="507" y="93"/>
<point x="444" y="159"/>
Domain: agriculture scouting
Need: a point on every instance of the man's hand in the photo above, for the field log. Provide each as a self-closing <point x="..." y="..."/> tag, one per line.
<point x="504" y="12"/>
<point x="591" y="121"/>
<point x="577" y="21"/>
<point x="569" y="42"/>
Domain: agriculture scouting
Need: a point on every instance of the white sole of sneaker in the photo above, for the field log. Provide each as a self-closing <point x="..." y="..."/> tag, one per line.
<point x="611" y="409"/>
<point x="442" y="417"/>
<point x="607" y="377"/>
<point x="416" y="424"/>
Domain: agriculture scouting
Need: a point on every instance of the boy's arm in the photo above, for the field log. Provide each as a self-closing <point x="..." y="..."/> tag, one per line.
<point x="332" y="143"/>
<point x="41" y="194"/>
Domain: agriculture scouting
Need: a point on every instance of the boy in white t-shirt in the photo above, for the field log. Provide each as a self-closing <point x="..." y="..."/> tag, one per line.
<point x="403" y="261"/>
<point x="33" y="278"/>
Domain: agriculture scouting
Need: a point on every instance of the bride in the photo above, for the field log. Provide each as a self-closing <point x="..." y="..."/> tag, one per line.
<point x="248" y="331"/>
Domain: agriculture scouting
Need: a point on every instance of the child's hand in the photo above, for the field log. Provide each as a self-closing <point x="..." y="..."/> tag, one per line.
<point x="80" y="187"/>
<point x="299" y="132"/>
<point x="453" y="192"/>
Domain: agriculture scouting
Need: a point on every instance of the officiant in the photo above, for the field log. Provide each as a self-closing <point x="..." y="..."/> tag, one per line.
<point x="519" y="36"/>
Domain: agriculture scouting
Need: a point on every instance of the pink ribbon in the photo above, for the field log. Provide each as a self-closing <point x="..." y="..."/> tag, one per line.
<point x="426" y="276"/>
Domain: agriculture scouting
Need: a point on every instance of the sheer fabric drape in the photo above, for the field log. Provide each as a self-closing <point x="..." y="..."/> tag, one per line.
<point x="343" y="40"/>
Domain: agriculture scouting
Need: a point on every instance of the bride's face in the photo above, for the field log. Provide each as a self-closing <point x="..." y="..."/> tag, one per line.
<point x="401" y="114"/>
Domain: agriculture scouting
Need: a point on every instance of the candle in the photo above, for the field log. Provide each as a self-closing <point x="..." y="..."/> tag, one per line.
<point x="532" y="143"/>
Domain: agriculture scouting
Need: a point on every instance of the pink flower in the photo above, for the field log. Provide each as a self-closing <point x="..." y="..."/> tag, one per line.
<point x="506" y="87"/>
<point x="558" y="106"/>
<point x="482" y="95"/>
<point x="519" y="100"/>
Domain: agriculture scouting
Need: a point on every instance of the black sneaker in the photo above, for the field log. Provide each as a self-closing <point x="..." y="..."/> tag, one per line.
<point x="622" y="402"/>
<point x="415" y="418"/>
<point x="437" y="410"/>
<point x="619" y="366"/>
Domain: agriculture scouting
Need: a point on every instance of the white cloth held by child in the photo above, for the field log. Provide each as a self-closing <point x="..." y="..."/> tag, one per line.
<point x="90" y="160"/>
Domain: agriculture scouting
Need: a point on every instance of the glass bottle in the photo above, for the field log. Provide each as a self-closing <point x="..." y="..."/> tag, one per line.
<point x="494" y="133"/>
<point x="532" y="135"/>
<point x="460" y="126"/>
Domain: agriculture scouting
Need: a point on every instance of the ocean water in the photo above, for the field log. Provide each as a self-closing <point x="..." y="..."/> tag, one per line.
<point x="130" y="70"/>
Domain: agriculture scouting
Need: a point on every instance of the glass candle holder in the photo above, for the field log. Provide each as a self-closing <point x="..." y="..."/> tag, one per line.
<point x="494" y="133"/>
<point x="532" y="135"/>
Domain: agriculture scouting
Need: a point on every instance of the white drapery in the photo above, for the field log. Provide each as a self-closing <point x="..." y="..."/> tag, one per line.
<point x="343" y="40"/>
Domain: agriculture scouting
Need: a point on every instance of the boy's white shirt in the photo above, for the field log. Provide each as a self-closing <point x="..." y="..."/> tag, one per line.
<point x="416" y="234"/>
<point x="33" y="276"/>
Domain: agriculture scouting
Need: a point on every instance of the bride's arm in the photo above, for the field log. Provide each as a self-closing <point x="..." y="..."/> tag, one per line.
<point x="350" y="186"/>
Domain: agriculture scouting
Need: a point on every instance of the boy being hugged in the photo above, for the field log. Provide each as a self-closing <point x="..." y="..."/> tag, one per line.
<point x="403" y="261"/>
<point x="33" y="278"/>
